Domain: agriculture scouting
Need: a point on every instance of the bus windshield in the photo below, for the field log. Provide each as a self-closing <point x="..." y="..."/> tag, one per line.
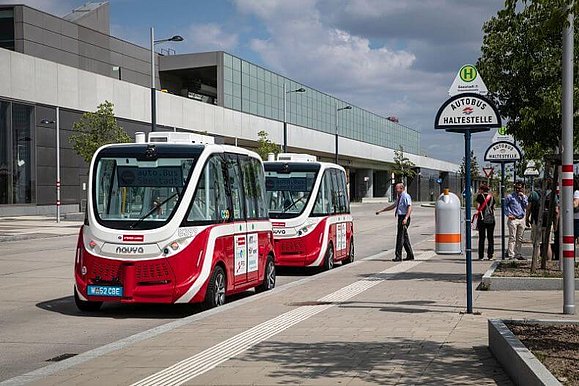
<point x="130" y="193"/>
<point x="288" y="192"/>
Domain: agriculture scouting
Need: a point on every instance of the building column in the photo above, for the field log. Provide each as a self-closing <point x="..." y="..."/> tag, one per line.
<point x="365" y="183"/>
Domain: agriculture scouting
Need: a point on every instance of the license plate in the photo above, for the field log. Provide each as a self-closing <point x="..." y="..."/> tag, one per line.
<point x="102" y="290"/>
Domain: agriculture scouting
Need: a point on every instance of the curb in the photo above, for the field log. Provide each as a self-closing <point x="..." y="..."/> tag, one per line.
<point x="510" y="283"/>
<point x="519" y="362"/>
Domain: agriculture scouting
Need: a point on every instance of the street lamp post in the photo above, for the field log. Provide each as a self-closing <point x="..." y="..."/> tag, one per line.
<point x="337" y="111"/>
<point x="175" y="38"/>
<point x="299" y="90"/>
<point x="57" y="127"/>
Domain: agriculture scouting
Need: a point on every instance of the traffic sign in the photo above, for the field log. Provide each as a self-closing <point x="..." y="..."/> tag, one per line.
<point x="531" y="172"/>
<point x="502" y="152"/>
<point x="467" y="111"/>
<point x="501" y="135"/>
<point x="468" y="80"/>
<point x="488" y="171"/>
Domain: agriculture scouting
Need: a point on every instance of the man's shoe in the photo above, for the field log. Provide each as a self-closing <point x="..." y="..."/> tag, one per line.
<point x="409" y="258"/>
<point x="396" y="259"/>
<point x="491" y="257"/>
<point x="520" y="258"/>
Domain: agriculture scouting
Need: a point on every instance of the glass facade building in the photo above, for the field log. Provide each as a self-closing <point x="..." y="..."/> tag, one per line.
<point x="255" y="90"/>
<point x="17" y="179"/>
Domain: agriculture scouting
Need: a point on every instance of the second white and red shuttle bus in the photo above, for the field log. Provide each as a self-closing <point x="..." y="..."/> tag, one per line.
<point x="310" y="211"/>
<point x="172" y="222"/>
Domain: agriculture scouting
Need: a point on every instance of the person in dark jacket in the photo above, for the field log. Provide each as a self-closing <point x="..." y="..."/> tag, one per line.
<point x="485" y="206"/>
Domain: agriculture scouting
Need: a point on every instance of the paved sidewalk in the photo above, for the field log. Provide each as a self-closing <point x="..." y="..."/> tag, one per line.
<point x="372" y="322"/>
<point x="34" y="227"/>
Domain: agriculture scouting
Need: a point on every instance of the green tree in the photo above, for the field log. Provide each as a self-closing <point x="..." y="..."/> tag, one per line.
<point x="265" y="145"/>
<point x="474" y="168"/>
<point x="521" y="66"/>
<point x="96" y="129"/>
<point x="403" y="167"/>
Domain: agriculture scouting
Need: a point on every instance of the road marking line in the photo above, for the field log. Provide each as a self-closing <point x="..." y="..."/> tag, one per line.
<point x="212" y="357"/>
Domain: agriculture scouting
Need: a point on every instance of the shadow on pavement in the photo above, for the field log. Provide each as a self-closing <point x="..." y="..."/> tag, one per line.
<point x="429" y="306"/>
<point x="388" y="362"/>
<point x="66" y="306"/>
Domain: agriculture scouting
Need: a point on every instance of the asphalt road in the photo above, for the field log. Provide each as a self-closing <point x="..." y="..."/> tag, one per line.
<point x="39" y="321"/>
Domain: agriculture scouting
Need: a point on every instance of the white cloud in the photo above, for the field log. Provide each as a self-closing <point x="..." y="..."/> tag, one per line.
<point x="390" y="57"/>
<point x="209" y="37"/>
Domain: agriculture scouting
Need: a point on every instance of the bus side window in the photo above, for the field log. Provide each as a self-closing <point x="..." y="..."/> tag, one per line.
<point x="249" y="187"/>
<point x="259" y="181"/>
<point x="210" y="201"/>
<point x="236" y="187"/>
<point x="337" y="208"/>
<point x="325" y="201"/>
<point x="344" y="190"/>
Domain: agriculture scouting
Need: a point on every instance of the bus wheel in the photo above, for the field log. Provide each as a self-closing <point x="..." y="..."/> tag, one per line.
<point x="329" y="258"/>
<point x="350" y="257"/>
<point x="215" y="295"/>
<point x="269" y="277"/>
<point x="84" y="305"/>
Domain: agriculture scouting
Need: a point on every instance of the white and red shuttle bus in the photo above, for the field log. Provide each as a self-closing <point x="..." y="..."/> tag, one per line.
<point x="173" y="220"/>
<point x="310" y="211"/>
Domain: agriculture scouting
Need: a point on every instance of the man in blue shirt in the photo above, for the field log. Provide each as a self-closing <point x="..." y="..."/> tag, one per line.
<point x="515" y="207"/>
<point x="403" y="209"/>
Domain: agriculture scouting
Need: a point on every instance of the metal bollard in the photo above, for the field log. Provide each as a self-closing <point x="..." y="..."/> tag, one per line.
<point x="447" y="224"/>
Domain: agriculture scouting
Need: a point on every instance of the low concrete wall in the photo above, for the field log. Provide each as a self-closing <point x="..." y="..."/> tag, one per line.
<point x="506" y="283"/>
<point x="518" y="362"/>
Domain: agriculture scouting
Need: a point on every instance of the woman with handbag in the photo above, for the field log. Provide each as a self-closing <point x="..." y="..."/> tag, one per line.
<point x="485" y="217"/>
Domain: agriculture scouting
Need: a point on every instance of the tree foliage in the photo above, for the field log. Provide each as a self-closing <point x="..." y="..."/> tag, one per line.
<point x="474" y="167"/>
<point x="96" y="129"/>
<point x="521" y="66"/>
<point x="265" y="145"/>
<point x="403" y="167"/>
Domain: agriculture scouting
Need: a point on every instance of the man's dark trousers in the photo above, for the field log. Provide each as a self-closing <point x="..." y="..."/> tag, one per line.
<point x="402" y="239"/>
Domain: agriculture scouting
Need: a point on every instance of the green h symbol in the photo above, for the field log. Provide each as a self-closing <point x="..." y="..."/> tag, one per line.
<point x="468" y="73"/>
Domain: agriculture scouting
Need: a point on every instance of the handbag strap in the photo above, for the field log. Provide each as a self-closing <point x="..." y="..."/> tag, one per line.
<point x="483" y="205"/>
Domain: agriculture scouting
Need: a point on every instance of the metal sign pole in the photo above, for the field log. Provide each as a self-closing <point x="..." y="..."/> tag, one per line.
<point x="502" y="193"/>
<point x="568" y="246"/>
<point x="468" y="204"/>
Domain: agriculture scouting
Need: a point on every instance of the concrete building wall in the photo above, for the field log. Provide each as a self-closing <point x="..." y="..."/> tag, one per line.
<point x="49" y="37"/>
<point x="28" y="78"/>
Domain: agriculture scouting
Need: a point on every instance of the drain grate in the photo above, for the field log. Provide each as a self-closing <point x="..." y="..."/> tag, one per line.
<point x="309" y="303"/>
<point x="61" y="357"/>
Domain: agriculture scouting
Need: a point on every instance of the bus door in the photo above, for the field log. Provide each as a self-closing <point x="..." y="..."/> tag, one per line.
<point x="339" y="198"/>
<point x="256" y="213"/>
<point x="239" y="271"/>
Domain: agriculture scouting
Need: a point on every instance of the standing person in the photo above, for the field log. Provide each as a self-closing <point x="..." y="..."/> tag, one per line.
<point x="515" y="207"/>
<point x="485" y="210"/>
<point x="403" y="210"/>
<point x="532" y="220"/>
<point x="576" y="207"/>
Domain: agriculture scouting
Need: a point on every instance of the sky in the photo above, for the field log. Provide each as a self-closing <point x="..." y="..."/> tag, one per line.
<point x="391" y="57"/>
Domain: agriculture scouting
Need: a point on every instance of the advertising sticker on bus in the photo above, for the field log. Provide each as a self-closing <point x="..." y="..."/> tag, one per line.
<point x="240" y="255"/>
<point x="252" y="252"/>
<point x="340" y="236"/>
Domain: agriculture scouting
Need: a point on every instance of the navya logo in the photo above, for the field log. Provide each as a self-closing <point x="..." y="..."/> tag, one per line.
<point x="129" y="250"/>
<point x="279" y="231"/>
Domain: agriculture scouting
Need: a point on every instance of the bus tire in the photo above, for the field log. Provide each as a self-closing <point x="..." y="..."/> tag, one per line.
<point x="350" y="257"/>
<point x="329" y="258"/>
<point x="84" y="305"/>
<point x="269" y="276"/>
<point x="215" y="295"/>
